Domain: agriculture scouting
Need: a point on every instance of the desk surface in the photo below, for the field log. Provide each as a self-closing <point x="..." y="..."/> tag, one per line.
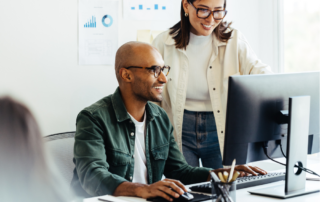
<point x="244" y="196"/>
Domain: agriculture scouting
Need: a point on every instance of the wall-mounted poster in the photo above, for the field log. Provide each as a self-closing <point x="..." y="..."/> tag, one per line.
<point x="98" y="31"/>
<point x="149" y="9"/>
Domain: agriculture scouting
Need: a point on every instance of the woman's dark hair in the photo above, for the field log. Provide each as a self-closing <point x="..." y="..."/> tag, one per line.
<point x="25" y="174"/>
<point x="181" y="30"/>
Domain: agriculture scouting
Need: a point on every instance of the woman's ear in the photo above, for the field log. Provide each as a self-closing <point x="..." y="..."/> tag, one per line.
<point x="185" y="5"/>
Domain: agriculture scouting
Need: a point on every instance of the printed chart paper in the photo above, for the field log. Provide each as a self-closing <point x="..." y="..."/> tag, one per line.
<point x="149" y="9"/>
<point x="98" y="32"/>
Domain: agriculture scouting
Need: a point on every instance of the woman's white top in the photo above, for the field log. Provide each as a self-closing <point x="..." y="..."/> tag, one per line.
<point x="140" y="168"/>
<point x="199" y="51"/>
<point x="234" y="57"/>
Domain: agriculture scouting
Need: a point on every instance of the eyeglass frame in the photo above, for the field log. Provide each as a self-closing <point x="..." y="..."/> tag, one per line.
<point x="153" y="67"/>
<point x="211" y="12"/>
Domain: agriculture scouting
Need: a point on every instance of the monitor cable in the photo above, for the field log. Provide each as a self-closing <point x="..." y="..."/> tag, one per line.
<point x="265" y="146"/>
<point x="302" y="168"/>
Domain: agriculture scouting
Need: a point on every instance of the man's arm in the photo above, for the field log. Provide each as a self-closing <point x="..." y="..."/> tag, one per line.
<point x="177" y="168"/>
<point x="90" y="157"/>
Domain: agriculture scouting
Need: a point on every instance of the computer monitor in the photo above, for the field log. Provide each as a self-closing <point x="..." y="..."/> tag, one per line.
<point x="253" y="114"/>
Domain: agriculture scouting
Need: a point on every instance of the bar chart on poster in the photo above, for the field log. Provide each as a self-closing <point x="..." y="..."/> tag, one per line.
<point x="91" y="23"/>
<point x="148" y="9"/>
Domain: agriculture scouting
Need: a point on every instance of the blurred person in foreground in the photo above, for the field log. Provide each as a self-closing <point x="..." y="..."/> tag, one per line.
<point x="25" y="173"/>
<point x="124" y="144"/>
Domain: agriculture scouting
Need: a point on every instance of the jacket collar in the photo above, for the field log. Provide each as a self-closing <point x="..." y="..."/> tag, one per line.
<point x="216" y="43"/>
<point x="121" y="111"/>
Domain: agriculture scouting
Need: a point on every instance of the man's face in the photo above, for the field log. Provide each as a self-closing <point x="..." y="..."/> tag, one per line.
<point x="145" y="86"/>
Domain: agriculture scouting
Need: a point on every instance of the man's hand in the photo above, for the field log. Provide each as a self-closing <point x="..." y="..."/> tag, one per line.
<point x="166" y="188"/>
<point x="244" y="170"/>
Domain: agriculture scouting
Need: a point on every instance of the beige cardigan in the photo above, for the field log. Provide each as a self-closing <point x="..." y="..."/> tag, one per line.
<point x="234" y="57"/>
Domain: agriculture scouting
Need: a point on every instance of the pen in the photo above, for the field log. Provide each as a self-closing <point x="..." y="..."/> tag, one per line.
<point x="214" y="177"/>
<point x="221" y="177"/>
<point x="232" y="170"/>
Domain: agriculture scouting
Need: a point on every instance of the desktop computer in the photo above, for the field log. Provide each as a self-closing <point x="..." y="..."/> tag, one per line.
<point x="270" y="113"/>
<point x="270" y="116"/>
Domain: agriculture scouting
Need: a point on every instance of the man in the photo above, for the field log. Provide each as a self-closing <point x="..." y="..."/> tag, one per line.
<point x="124" y="144"/>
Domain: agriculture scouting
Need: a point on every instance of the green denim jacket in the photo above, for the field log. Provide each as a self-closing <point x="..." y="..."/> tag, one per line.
<point x="104" y="148"/>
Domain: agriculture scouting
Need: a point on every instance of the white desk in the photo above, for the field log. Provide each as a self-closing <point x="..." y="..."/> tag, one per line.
<point x="244" y="196"/>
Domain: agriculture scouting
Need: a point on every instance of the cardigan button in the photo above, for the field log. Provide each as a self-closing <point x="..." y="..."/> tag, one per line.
<point x="218" y="111"/>
<point x="214" y="88"/>
<point x="210" y="67"/>
<point x="132" y="134"/>
<point x="130" y="177"/>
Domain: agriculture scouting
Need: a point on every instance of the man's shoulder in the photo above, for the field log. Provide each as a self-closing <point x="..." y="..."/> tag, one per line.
<point x="159" y="112"/>
<point x="156" y="108"/>
<point x="99" y="106"/>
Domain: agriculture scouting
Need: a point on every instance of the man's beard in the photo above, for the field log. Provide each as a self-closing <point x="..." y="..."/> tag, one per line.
<point x="144" y="93"/>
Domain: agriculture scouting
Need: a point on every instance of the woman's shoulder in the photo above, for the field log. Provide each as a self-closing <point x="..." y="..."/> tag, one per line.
<point x="237" y="39"/>
<point x="236" y="35"/>
<point x="161" y="40"/>
<point x="163" y="37"/>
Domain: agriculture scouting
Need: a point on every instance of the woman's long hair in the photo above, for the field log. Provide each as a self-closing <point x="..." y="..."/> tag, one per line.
<point x="24" y="172"/>
<point x="181" y="31"/>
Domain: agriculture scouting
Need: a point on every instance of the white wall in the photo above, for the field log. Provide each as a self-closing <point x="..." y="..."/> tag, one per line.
<point x="39" y="54"/>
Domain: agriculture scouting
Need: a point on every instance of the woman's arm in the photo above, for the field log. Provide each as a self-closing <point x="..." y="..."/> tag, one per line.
<point x="248" y="61"/>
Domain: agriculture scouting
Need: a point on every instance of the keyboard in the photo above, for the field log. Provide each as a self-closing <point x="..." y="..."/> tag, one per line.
<point x="244" y="182"/>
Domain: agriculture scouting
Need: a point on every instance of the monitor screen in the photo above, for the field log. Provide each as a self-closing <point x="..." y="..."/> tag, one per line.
<point x="253" y="114"/>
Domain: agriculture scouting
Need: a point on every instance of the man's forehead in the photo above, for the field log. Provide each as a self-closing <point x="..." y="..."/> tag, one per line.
<point x="145" y="56"/>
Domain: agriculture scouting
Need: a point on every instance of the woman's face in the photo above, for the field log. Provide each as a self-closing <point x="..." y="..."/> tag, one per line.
<point x="200" y="26"/>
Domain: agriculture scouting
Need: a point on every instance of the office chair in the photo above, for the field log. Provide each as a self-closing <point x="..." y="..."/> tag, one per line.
<point x="60" y="149"/>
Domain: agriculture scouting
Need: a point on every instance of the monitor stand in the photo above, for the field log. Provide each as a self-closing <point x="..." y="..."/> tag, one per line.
<point x="297" y="147"/>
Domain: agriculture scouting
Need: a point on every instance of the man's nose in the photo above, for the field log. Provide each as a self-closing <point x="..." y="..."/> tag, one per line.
<point x="162" y="78"/>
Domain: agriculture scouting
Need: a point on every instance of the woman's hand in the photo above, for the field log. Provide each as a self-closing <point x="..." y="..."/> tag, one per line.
<point x="244" y="170"/>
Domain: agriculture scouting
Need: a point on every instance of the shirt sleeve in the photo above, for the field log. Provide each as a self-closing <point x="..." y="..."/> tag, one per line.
<point x="177" y="168"/>
<point x="90" y="158"/>
<point x="249" y="62"/>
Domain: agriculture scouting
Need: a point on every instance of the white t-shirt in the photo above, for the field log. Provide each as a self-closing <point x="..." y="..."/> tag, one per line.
<point x="140" y="168"/>
<point x="199" y="51"/>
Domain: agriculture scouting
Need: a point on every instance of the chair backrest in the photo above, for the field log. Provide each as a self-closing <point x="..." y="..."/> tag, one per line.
<point x="60" y="148"/>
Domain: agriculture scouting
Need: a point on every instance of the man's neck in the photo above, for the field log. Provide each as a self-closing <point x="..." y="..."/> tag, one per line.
<point x="135" y="107"/>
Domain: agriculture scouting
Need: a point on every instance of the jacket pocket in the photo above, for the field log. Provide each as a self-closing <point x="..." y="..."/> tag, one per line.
<point x="118" y="158"/>
<point x="160" y="153"/>
<point x="119" y="163"/>
<point x="158" y="161"/>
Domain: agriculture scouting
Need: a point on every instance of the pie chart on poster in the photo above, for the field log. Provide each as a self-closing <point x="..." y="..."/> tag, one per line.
<point x="104" y="19"/>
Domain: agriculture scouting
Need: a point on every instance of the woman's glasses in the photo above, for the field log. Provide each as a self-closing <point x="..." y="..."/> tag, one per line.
<point x="204" y="13"/>
<point x="156" y="69"/>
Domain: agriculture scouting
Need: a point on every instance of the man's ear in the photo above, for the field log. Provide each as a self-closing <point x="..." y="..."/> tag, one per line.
<point x="126" y="75"/>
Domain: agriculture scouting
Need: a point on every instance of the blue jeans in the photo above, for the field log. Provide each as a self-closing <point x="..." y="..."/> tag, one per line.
<point x="200" y="139"/>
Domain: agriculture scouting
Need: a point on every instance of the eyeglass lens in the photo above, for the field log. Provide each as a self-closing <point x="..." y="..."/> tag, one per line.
<point x="217" y="15"/>
<point x="158" y="70"/>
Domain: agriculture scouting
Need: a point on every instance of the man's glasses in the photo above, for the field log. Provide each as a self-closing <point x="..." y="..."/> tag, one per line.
<point x="204" y="13"/>
<point x="156" y="69"/>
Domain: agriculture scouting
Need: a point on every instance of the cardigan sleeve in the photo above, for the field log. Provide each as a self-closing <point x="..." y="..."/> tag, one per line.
<point x="248" y="60"/>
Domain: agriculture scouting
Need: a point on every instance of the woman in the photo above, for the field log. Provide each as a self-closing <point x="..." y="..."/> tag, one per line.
<point x="203" y="51"/>
<point x="25" y="174"/>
